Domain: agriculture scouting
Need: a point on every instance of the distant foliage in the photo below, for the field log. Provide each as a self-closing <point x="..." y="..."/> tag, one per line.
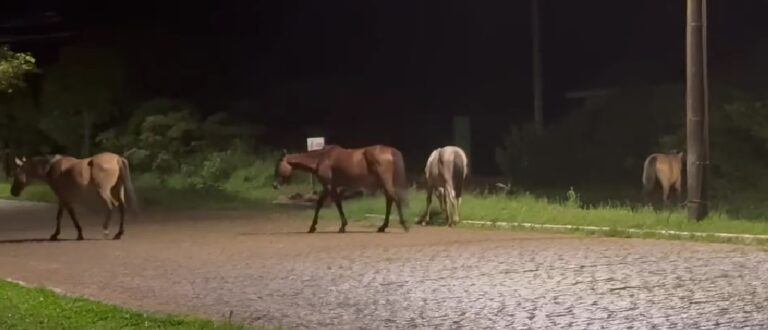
<point x="83" y="91"/>
<point x="738" y="144"/>
<point x="169" y="138"/>
<point x="13" y="67"/>
<point x="605" y="141"/>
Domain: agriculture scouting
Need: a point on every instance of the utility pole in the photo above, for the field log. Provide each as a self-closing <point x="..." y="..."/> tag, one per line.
<point x="538" y="105"/>
<point x="696" y="108"/>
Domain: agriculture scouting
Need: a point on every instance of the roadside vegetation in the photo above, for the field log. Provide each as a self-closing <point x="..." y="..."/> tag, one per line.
<point x="36" y="308"/>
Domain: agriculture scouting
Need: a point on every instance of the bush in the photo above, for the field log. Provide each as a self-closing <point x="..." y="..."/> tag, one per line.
<point x="606" y="141"/>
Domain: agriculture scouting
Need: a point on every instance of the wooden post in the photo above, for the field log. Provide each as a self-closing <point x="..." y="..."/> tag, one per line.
<point x="696" y="131"/>
<point x="538" y="103"/>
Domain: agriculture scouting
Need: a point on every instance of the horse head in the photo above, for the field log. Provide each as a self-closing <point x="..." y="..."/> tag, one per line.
<point x="283" y="171"/>
<point x="27" y="171"/>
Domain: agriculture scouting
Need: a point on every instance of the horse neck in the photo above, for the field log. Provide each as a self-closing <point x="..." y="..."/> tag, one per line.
<point x="304" y="161"/>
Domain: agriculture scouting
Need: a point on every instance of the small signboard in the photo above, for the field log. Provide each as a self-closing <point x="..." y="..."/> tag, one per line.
<point x="315" y="143"/>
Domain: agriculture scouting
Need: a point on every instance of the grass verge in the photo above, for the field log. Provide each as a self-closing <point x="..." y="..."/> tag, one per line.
<point x="37" y="308"/>
<point x="523" y="208"/>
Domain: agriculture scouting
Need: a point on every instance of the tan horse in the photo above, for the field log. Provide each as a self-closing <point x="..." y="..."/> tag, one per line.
<point x="70" y="178"/>
<point x="666" y="169"/>
<point x="446" y="171"/>
<point x="337" y="168"/>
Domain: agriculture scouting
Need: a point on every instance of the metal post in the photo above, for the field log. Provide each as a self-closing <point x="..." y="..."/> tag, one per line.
<point x="538" y="104"/>
<point x="696" y="131"/>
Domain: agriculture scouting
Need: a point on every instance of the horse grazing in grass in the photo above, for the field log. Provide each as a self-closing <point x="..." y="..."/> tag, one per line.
<point x="446" y="171"/>
<point x="70" y="178"/>
<point x="666" y="169"/>
<point x="337" y="168"/>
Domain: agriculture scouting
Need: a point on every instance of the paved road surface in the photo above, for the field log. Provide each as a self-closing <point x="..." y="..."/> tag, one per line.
<point x="264" y="269"/>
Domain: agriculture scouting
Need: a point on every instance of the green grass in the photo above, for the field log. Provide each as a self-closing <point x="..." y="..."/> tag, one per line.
<point x="525" y="208"/>
<point x="36" y="308"/>
<point x="37" y="193"/>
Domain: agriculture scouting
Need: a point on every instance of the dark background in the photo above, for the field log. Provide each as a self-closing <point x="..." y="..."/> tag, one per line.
<point x="393" y="72"/>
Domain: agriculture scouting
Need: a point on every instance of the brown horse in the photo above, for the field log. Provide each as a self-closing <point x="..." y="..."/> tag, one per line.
<point x="70" y="178"/>
<point x="337" y="168"/>
<point x="665" y="169"/>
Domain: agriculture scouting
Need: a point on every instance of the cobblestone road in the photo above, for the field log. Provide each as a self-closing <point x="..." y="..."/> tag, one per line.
<point x="264" y="269"/>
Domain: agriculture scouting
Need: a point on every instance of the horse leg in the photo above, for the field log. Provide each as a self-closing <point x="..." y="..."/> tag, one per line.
<point x="458" y="208"/>
<point x="318" y="205"/>
<point x="59" y="214"/>
<point x="425" y="216"/>
<point x="399" y="205"/>
<point x="386" y="214"/>
<point x="450" y="202"/>
<point x="665" y="196"/>
<point x="453" y="206"/>
<point x="107" y="197"/>
<point x="71" y="212"/>
<point x="121" y="207"/>
<point x="447" y="206"/>
<point x="441" y="198"/>
<point x="119" y="233"/>
<point x="337" y="200"/>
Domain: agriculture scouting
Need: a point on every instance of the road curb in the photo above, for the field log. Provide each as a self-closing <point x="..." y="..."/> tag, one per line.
<point x="499" y="224"/>
<point x="29" y="286"/>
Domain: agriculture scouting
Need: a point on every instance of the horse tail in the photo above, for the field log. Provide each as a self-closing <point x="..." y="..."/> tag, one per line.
<point x="459" y="173"/>
<point x="125" y="176"/>
<point x="400" y="180"/>
<point x="649" y="172"/>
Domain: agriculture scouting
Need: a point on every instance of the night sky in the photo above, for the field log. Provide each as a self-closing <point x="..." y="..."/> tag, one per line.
<point x="340" y="63"/>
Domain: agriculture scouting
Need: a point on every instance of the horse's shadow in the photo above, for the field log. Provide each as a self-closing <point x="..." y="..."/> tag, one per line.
<point x="40" y="240"/>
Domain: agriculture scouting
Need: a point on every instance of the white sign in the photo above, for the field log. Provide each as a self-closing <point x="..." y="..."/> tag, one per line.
<point x="315" y="143"/>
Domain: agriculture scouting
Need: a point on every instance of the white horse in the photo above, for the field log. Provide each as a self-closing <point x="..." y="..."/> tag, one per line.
<point x="446" y="170"/>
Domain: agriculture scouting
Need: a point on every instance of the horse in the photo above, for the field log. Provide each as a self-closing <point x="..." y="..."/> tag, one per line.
<point x="446" y="171"/>
<point x="666" y="168"/>
<point x="336" y="168"/>
<point x="70" y="178"/>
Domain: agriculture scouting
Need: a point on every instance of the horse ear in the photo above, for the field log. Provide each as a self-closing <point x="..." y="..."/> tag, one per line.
<point x="285" y="152"/>
<point x="18" y="161"/>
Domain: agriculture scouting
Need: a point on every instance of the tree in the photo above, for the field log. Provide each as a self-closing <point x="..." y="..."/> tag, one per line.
<point x="84" y="90"/>
<point x="13" y="68"/>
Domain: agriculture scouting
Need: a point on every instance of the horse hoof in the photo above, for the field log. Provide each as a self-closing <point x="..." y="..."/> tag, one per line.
<point x="311" y="230"/>
<point x="54" y="238"/>
<point x="117" y="236"/>
<point x="80" y="238"/>
<point x="381" y="230"/>
<point x="406" y="229"/>
<point x="106" y="234"/>
<point x="342" y="230"/>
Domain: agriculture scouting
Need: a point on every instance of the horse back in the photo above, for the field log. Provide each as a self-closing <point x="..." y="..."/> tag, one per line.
<point x="359" y="164"/>
<point x="69" y="175"/>
<point x="105" y="169"/>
